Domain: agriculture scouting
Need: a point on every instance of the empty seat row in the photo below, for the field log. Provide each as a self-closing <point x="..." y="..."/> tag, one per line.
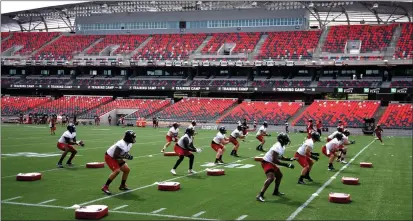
<point x="354" y="83"/>
<point x="397" y="116"/>
<point x="11" y="105"/>
<point x="30" y="41"/>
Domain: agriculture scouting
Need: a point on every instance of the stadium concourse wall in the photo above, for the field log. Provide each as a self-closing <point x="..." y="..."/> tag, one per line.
<point x="123" y="18"/>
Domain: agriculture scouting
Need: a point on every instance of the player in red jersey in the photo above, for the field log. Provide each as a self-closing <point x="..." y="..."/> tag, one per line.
<point x="310" y="128"/>
<point x="269" y="163"/>
<point x="218" y="144"/>
<point x="319" y="125"/>
<point x="378" y="132"/>
<point x="304" y="155"/>
<point x="52" y="124"/>
<point x="114" y="158"/>
<point x="237" y="133"/>
<point x="171" y="135"/>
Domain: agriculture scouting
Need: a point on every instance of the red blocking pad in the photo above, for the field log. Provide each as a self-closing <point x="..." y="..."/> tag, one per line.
<point x="339" y="198"/>
<point x="95" y="165"/>
<point x="28" y="176"/>
<point x="350" y="180"/>
<point x="91" y="212"/>
<point x="169" y="186"/>
<point x="215" y="172"/>
<point x="366" y="164"/>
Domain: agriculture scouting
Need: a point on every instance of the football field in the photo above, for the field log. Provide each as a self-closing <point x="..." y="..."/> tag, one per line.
<point x="384" y="192"/>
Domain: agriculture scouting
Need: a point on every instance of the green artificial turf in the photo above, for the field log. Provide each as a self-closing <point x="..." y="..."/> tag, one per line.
<point x="384" y="192"/>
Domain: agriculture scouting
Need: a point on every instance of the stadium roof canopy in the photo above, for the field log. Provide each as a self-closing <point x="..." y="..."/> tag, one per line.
<point x="322" y="13"/>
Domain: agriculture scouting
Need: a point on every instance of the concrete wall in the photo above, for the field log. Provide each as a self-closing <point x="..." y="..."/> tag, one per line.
<point x="193" y="16"/>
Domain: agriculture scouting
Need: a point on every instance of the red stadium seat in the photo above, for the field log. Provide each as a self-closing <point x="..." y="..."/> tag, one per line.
<point x="294" y="45"/>
<point x="15" y="105"/>
<point x="244" y="42"/>
<point x="127" y="44"/>
<point x="404" y="48"/>
<point x="352" y="113"/>
<point x="71" y="105"/>
<point x="200" y="109"/>
<point x="144" y="107"/>
<point x="372" y="37"/>
<point x="398" y="116"/>
<point x="31" y="41"/>
<point x="274" y="113"/>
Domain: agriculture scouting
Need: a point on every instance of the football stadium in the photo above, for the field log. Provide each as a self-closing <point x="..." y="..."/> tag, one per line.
<point x="207" y="110"/>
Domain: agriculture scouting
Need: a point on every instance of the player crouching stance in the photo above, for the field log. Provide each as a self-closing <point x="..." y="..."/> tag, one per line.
<point x="342" y="148"/>
<point x="172" y="135"/>
<point x="114" y="159"/>
<point x="260" y="136"/>
<point x="218" y="144"/>
<point x="269" y="164"/>
<point x="330" y="149"/>
<point x="237" y="133"/>
<point x="304" y="155"/>
<point x="184" y="148"/>
<point x="65" y="143"/>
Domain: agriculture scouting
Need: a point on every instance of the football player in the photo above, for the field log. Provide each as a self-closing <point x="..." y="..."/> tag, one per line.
<point x="66" y="142"/>
<point x="255" y="125"/>
<point x="260" y="136"/>
<point x="218" y="144"/>
<point x="52" y="124"/>
<point x="342" y="149"/>
<point x="237" y="133"/>
<point x="378" y="130"/>
<point x="114" y="158"/>
<point x="330" y="149"/>
<point x="269" y="163"/>
<point x="304" y="155"/>
<point x="319" y="125"/>
<point x="310" y="128"/>
<point x="192" y="126"/>
<point x="184" y="148"/>
<point x="172" y="135"/>
<point x="331" y="136"/>
<point x="340" y="125"/>
<point x="286" y="128"/>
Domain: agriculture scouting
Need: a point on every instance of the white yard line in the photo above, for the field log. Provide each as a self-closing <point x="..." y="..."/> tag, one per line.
<point x="314" y="195"/>
<point x="110" y="211"/>
<point x="14" y="198"/>
<point x="198" y="214"/>
<point x="242" y="217"/>
<point x="158" y="211"/>
<point x="47" y="201"/>
<point x="120" y="207"/>
<point x="156" y="183"/>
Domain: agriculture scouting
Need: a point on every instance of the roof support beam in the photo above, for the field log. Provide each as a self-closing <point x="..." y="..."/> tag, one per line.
<point x="406" y="11"/>
<point x="316" y="15"/>
<point x="45" y="23"/>
<point x="345" y="12"/>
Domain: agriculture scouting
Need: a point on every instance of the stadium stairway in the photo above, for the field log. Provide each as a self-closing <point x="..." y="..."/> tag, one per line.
<point x="258" y="46"/>
<point x="379" y="113"/>
<point x="297" y="114"/>
<point x="138" y="48"/>
<point x="205" y="42"/>
<point x="43" y="46"/>
<point x="83" y="53"/>
<point x="393" y="43"/>
<point x="9" y="36"/>
<point x="94" y="107"/>
<point x="226" y="112"/>
<point x="385" y="84"/>
<point x="150" y="116"/>
<point x="320" y="44"/>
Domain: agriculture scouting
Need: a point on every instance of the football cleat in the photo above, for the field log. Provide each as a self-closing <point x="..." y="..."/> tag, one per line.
<point x="260" y="198"/>
<point x="69" y="164"/>
<point x="173" y="172"/>
<point x="124" y="188"/>
<point x="278" y="194"/>
<point x="191" y="172"/>
<point x="105" y="189"/>
<point x="343" y="162"/>
<point x="331" y="168"/>
<point x="163" y="150"/>
<point x="59" y="165"/>
<point x="300" y="182"/>
<point x="309" y="179"/>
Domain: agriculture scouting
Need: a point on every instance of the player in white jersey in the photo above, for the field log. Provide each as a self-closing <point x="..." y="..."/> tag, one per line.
<point x="171" y="135"/>
<point x="331" y="148"/>
<point x="255" y="125"/>
<point x="342" y="148"/>
<point x="237" y="133"/>
<point x="269" y="163"/>
<point x="114" y="158"/>
<point x="66" y="142"/>
<point x="304" y="155"/>
<point x="192" y="126"/>
<point x="262" y="132"/>
<point x="184" y="148"/>
<point x="218" y="143"/>
<point x="331" y="136"/>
